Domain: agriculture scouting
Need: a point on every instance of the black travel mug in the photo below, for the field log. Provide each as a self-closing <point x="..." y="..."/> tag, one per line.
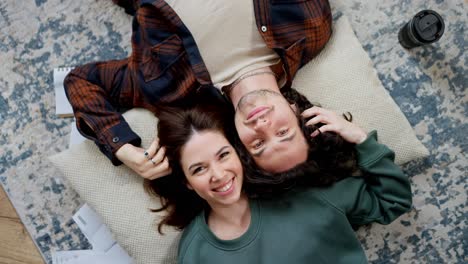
<point x="424" y="28"/>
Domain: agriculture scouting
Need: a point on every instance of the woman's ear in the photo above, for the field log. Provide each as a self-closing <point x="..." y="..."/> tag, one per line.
<point x="188" y="185"/>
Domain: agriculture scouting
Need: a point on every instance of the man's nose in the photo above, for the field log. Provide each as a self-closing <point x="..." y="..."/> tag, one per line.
<point x="261" y="123"/>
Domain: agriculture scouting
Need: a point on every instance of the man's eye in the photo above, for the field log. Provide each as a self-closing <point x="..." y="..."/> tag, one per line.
<point x="282" y="132"/>
<point x="258" y="144"/>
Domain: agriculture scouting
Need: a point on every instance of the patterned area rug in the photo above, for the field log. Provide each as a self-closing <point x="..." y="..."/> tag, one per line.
<point x="428" y="83"/>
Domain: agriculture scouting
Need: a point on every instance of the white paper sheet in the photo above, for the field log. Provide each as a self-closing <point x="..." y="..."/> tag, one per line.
<point x="105" y="248"/>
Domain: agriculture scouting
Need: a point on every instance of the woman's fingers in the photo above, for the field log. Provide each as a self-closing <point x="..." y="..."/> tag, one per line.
<point x="160" y="155"/>
<point x="153" y="148"/>
<point x="160" y="170"/>
<point x="315" y="120"/>
<point x="159" y="162"/>
<point x="323" y="129"/>
<point x="315" y="133"/>
<point x="315" y="110"/>
<point x="148" y="167"/>
<point x="332" y="122"/>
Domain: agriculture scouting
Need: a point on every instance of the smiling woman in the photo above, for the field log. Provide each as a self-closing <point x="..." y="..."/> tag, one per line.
<point x="216" y="175"/>
<point x="206" y="171"/>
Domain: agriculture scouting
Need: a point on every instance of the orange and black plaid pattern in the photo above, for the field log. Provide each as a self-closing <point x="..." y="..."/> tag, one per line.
<point x="165" y="64"/>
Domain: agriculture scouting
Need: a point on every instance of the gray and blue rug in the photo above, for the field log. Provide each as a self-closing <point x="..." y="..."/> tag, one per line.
<point x="428" y="83"/>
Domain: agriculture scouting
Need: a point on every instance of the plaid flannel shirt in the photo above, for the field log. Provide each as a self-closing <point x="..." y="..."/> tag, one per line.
<point x="165" y="64"/>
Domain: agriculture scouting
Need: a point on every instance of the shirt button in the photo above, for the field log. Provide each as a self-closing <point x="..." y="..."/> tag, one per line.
<point x="264" y="28"/>
<point x="116" y="139"/>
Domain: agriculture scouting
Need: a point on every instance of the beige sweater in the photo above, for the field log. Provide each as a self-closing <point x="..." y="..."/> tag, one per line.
<point x="227" y="37"/>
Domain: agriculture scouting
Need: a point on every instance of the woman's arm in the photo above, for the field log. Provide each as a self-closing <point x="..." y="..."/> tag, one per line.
<point x="381" y="196"/>
<point x="385" y="192"/>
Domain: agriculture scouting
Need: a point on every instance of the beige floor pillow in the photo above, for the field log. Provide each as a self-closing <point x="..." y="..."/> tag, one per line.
<point x="341" y="78"/>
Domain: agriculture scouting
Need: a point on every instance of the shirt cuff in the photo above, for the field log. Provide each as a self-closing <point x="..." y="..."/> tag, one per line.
<point x="115" y="137"/>
<point x="370" y="150"/>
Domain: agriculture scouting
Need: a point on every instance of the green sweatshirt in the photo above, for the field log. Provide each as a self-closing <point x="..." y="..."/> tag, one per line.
<point x="312" y="225"/>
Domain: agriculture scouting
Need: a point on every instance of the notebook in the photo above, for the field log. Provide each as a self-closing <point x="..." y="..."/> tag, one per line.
<point x="75" y="136"/>
<point x="62" y="106"/>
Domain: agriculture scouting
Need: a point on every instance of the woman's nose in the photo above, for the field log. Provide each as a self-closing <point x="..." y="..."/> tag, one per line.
<point x="217" y="173"/>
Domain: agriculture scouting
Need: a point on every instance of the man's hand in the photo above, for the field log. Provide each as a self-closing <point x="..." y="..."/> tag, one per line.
<point x="150" y="164"/>
<point x="334" y="123"/>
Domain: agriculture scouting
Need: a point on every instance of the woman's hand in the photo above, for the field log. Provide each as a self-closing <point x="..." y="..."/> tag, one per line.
<point x="334" y="123"/>
<point x="149" y="164"/>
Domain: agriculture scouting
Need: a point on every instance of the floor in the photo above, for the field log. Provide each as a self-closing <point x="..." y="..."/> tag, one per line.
<point x="16" y="246"/>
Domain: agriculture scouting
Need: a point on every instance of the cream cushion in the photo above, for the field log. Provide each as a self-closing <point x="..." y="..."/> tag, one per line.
<point x="341" y="78"/>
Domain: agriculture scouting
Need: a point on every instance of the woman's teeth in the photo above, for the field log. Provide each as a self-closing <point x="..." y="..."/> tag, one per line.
<point x="225" y="187"/>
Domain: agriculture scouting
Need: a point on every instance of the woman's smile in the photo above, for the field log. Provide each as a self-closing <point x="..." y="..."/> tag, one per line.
<point x="226" y="188"/>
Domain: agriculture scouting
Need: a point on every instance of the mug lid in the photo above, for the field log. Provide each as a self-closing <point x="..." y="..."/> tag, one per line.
<point x="429" y="26"/>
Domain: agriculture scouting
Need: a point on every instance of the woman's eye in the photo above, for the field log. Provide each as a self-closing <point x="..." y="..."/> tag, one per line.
<point x="224" y="154"/>
<point x="197" y="170"/>
<point x="282" y="132"/>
